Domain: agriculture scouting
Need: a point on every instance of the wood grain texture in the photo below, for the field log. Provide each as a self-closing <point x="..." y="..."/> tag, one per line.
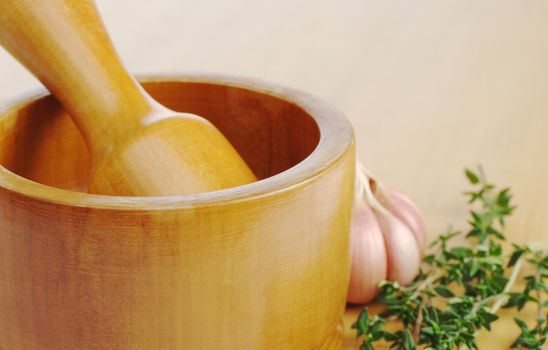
<point x="431" y="86"/>
<point x="243" y="268"/>
<point x="137" y="146"/>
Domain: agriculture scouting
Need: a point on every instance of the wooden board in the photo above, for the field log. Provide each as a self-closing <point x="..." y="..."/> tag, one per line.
<point x="431" y="86"/>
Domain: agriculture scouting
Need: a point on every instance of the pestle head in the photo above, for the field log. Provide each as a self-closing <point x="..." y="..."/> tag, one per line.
<point x="175" y="155"/>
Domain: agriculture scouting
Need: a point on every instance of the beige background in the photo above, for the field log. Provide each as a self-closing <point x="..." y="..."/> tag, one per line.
<point x="430" y="86"/>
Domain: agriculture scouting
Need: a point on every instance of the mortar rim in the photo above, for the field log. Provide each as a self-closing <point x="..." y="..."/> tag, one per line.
<point x="336" y="140"/>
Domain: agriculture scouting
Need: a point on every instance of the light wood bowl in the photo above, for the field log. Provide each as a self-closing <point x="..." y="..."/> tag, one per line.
<point x="261" y="266"/>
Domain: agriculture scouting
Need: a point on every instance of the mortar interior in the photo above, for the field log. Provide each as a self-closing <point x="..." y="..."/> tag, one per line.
<point x="39" y="141"/>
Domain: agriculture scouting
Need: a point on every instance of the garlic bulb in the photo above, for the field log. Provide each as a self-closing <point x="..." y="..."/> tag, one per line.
<point x="388" y="238"/>
<point x="369" y="262"/>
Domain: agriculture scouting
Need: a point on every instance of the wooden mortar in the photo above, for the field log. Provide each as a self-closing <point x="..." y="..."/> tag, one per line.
<point x="261" y="266"/>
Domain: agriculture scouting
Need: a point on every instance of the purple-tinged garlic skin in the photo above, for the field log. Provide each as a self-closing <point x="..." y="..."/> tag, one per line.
<point x="368" y="253"/>
<point x="405" y="210"/>
<point x="402" y="249"/>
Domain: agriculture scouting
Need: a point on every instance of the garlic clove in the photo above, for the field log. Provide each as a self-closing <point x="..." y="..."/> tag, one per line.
<point x="404" y="209"/>
<point x="401" y="247"/>
<point x="368" y="253"/>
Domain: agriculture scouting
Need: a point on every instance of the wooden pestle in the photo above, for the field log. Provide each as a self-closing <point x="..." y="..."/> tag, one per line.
<point x="137" y="146"/>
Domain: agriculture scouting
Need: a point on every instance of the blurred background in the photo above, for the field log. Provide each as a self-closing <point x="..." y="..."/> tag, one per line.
<point x="430" y="86"/>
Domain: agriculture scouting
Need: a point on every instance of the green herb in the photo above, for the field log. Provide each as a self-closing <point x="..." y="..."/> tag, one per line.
<point x="460" y="289"/>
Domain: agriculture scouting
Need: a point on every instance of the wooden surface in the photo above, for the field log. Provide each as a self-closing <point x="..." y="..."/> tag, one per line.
<point x="233" y="269"/>
<point x="137" y="146"/>
<point x="430" y="86"/>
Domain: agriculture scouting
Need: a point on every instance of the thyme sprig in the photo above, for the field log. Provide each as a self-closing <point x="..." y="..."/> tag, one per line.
<point x="460" y="289"/>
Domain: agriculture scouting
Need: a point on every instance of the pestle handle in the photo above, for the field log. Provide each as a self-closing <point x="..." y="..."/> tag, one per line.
<point x="64" y="44"/>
